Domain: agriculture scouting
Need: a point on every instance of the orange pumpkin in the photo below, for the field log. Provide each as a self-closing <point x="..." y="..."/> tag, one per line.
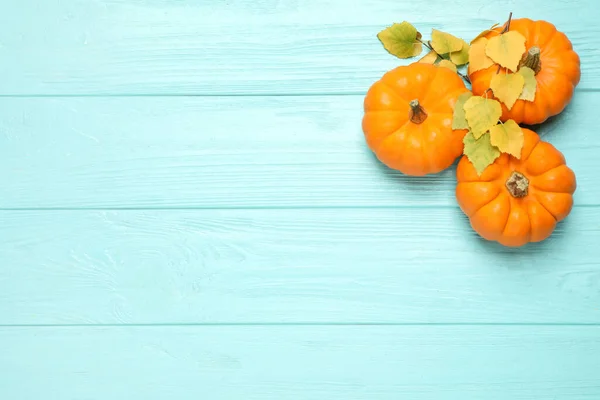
<point x="407" y="118"/>
<point x="557" y="67"/>
<point x="516" y="201"/>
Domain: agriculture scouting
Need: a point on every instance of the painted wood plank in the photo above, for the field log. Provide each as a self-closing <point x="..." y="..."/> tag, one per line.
<point x="409" y="265"/>
<point x="301" y="362"/>
<point x="228" y="153"/>
<point x="242" y="46"/>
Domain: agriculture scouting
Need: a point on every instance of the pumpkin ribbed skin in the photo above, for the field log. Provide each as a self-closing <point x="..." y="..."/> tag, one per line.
<point x="496" y="215"/>
<point x="422" y="148"/>
<point x="557" y="78"/>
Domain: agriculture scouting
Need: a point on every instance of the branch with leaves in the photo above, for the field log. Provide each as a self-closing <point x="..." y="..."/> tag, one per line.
<point x="514" y="79"/>
<point x="403" y="40"/>
<point x="488" y="137"/>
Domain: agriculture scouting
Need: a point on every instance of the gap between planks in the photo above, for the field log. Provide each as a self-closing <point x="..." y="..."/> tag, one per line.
<point x="297" y="324"/>
<point x="257" y="208"/>
<point x="224" y="95"/>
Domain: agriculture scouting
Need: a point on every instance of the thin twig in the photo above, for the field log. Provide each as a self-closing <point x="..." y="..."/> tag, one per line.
<point x="507" y="26"/>
<point x="465" y="77"/>
<point x="428" y="46"/>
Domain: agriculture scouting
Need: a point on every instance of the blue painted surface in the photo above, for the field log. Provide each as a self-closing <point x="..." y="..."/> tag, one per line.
<point x="188" y="210"/>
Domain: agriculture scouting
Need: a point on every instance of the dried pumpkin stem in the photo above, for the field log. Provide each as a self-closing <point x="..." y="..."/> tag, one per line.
<point x="532" y="59"/>
<point x="416" y="114"/>
<point x="517" y="185"/>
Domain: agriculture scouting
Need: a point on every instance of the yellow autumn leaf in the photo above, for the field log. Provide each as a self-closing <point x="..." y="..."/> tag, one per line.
<point x="429" y="58"/>
<point x="478" y="60"/>
<point x="480" y="151"/>
<point x="508" y="138"/>
<point x="447" y="64"/>
<point x="401" y="40"/>
<point x="443" y="42"/>
<point x="506" y="49"/>
<point x="481" y="114"/>
<point x="461" y="56"/>
<point x="530" y="86"/>
<point x="507" y="87"/>
<point x="483" y="33"/>
<point x="459" y="121"/>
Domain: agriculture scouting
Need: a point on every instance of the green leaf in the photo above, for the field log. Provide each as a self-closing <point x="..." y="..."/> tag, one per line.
<point x="461" y="57"/>
<point x="530" y="86"/>
<point x="482" y="114"/>
<point x="506" y="49"/>
<point x="401" y="40"/>
<point x="459" y="121"/>
<point x="507" y="87"/>
<point x="443" y="42"/>
<point x="480" y="151"/>
<point x="508" y="138"/>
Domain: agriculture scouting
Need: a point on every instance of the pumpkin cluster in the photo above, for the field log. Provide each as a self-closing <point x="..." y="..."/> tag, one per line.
<point x="419" y="118"/>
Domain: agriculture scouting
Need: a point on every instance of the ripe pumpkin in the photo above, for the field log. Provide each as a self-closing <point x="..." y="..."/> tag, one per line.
<point x="557" y="67"/>
<point x="516" y="201"/>
<point x="407" y="118"/>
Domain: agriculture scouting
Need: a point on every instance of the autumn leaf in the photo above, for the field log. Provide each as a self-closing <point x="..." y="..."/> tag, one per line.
<point x="485" y="32"/>
<point x="478" y="60"/>
<point x="447" y="64"/>
<point x="429" y="58"/>
<point x="480" y="151"/>
<point x="506" y="49"/>
<point x="459" y="121"/>
<point x="507" y="137"/>
<point x="507" y="87"/>
<point x="530" y="86"/>
<point x="401" y="40"/>
<point x="482" y="114"/>
<point x="443" y="42"/>
<point x="461" y="56"/>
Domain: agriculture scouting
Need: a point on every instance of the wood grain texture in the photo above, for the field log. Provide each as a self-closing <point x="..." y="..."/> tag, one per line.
<point x="232" y="152"/>
<point x="240" y="47"/>
<point x="442" y="362"/>
<point x="245" y="245"/>
<point x="292" y="266"/>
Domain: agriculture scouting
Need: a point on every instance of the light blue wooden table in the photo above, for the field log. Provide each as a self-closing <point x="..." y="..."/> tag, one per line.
<point x="189" y="211"/>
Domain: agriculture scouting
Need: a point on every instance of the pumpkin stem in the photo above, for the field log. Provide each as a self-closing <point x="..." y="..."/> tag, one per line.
<point x="417" y="114"/>
<point x="532" y="60"/>
<point x="517" y="185"/>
